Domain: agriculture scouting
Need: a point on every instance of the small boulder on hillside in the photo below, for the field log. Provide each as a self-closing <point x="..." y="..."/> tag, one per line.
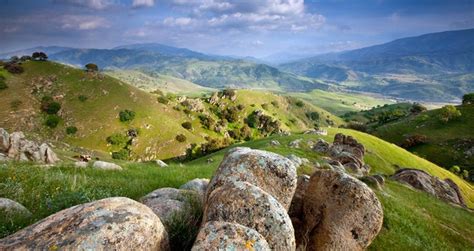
<point x="271" y="172"/>
<point x="297" y="161"/>
<point x="248" y="205"/>
<point x="321" y="146"/>
<point x="197" y="185"/>
<point x="108" y="224"/>
<point x="421" y="180"/>
<point x="295" y="143"/>
<point x="161" y="163"/>
<point x="339" y="212"/>
<point x="106" y="165"/>
<point x="4" y="140"/>
<point x="218" y="235"/>
<point x="10" y="209"/>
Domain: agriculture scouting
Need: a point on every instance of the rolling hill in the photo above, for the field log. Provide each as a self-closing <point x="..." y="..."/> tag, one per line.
<point x="91" y="102"/>
<point x="431" y="67"/>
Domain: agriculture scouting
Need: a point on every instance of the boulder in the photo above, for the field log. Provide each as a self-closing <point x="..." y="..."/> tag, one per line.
<point x="350" y="153"/>
<point x="165" y="202"/>
<point x="10" y="209"/>
<point x="274" y="143"/>
<point x="160" y="163"/>
<point x="106" y="165"/>
<point x="47" y="155"/>
<point x="297" y="161"/>
<point x="296" y="208"/>
<point x="108" y="224"/>
<point x="321" y="146"/>
<point x="4" y="140"/>
<point x="271" y="172"/>
<point x="340" y="212"/>
<point x="81" y="164"/>
<point x="14" y="149"/>
<point x="218" y="235"/>
<point x="423" y="181"/>
<point x="197" y="185"/>
<point x="248" y="205"/>
<point x="295" y="143"/>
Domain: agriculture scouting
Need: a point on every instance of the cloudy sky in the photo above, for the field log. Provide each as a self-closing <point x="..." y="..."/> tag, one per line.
<point x="231" y="27"/>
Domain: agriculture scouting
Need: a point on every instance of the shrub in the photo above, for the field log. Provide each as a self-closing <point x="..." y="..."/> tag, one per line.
<point x="71" y="130"/>
<point x="455" y="169"/>
<point x="187" y="125"/>
<point x="90" y="67"/>
<point x="231" y="114"/>
<point x="49" y="106"/>
<point x="52" y="121"/>
<point x="122" y="154"/>
<point x="40" y="56"/>
<point x="468" y="99"/>
<point x="265" y="106"/>
<point x="13" y="68"/>
<point x="313" y="115"/>
<point x="3" y="85"/>
<point x="275" y="104"/>
<point x="117" y="139"/>
<point x="126" y="115"/>
<point x="181" y="138"/>
<point x="299" y="103"/>
<point x="465" y="174"/>
<point x="417" y="108"/>
<point x="414" y="140"/>
<point x="246" y="132"/>
<point x="163" y="100"/>
<point x="357" y="126"/>
<point x="82" y="98"/>
<point x="207" y="122"/>
<point x="448" y="113"/>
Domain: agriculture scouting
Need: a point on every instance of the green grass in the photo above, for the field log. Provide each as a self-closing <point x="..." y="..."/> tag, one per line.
<point x="341" y="103"/>
<point x="412" y="220"/>
<point x="444" y="139"/>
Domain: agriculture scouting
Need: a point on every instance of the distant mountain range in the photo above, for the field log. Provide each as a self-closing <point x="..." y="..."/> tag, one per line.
<point x="431" y="67"/>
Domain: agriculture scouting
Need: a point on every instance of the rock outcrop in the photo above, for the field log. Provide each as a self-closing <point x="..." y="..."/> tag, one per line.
<point x="248" y="205"/>
<point x="108" y="224"/>
<point x="271" y="172"/>
<point x="218" y="235"/>
<point x="421" y="180"/>
<point x="16" y="147"/>
<point x="165" y="202"/>
<point x="339" y="212"/>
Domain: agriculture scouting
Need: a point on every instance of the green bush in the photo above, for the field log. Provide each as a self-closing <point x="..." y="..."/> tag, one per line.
<point x="299" y="103"/>
<point x="468" y="99"/>
<point x="163" y="100"/>
<point x="126" y="115"/>
<point x="448" y="113"/>
<point x="117" y="139"/>
<point x="71" y="130"/>
<point x="3" y="85"/>
<point x="49" y="106"/>
<point x="313" y="116"/>
<point x="275" y="104"/>
<point x="455" y="169"/>
<point x="52" y="121"/>
<point x="122" y="154"/>
<point x="181" y="138"/>
<point x="82" y="98"/>
<point x="265" y="106"/>
<point x="207" y="122"/>
<point x="417" y="108"/>
<point x="187" y="125"/>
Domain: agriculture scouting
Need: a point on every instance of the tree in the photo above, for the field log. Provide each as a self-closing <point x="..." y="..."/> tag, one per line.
<point x="468" y="99"/>
<point x="126" y="115"/>
<point x="448" y="113"/>
<point x="90" y="67"/>
<point x="187" y="125"/>
<point x="181" y="138"/>
<point x="39" y="56"/>
<point x="13" y="67"/>
<point x="417" y="108"/>
<point x="455" y="169"/>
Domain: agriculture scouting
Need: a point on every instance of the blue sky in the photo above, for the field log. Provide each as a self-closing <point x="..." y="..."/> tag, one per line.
<point x="245" y="27"/>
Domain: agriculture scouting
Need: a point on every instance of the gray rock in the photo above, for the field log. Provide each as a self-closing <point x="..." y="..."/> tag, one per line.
<point x="295" y="143"/>
<point x="297" y="161"/>
<point x="160" y="163"/>
<point x="321" y="146"/>
<point x="14" y="149"/>
<point x="4" y="140"/>
<point x="197" y="185"/>
<point x="81" y="164"/>
<point x="218" y="235"/>
<point x="106" y="165"/>
<point x="271" y="172"/>
<point x="274" y="143"/>
<point x="109" y="224"/>
<point x="11" y="209"/>
<point x="248" y="205"/>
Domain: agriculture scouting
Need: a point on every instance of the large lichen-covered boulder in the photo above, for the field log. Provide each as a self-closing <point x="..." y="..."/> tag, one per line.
<point x="108" y="224"/>
<point x="166" y="202"/>
<point x="271" y="172"/>
<point x="340" y="212"/>
<point x="421" y="180"/>
<point x="248" y="205"/>
<point x="10" y="209"/>
<point x="218" y="235"/>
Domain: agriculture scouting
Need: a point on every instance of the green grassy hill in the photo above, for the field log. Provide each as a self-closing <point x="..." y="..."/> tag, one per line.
<point x="446" y="142"/>
<point x="413" y="220"/>
<point x="92" y="102"/>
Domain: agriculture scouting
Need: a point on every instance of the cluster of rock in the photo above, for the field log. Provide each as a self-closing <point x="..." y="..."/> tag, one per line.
<point x="255" y="201"/>
<point x="446" y="189"/>
<point x="344" y="152"/>
<point x="16" y="147"/>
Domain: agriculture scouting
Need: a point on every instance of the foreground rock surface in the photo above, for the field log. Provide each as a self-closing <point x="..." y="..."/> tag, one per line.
<point x="271" y="172"/>
<point x="218" y="235"/>
<point x="248" y="205"/>
<point x="340" y="212"/>
<point x="109" y="224"/>
<point x="446" y="190"/>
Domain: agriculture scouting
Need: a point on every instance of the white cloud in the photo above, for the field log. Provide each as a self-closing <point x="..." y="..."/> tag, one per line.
<point x="143" y="3"/>
<point x="93" y="4"/>
<point x="180" y="21"/>
<point x="77" y="22"/>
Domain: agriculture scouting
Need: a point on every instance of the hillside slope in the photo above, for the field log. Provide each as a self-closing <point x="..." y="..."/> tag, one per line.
<point x="91" y="102"/>
<point x="447" y="143"/>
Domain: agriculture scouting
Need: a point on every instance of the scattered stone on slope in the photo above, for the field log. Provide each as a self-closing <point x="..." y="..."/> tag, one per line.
<point x="81" y="164"/>
<point x="4" y="140"/>
<point x="297" y="161"/>
<point x="271" y="172"/>
<point x="10" y="209"/>
<point x="108" y="224"/>
<point x="166" y="202"/>
<point x="274" y="143"/>
<point x="421" y="180"/>
<point x="340" y="212"/>
<point x="218" y="235"/>
<point x="161" y="163"/>
<point x="197" y="185"/>
<point x="321" y="132"/>
<point x="295" y="143"/>
<point x="248" y="205"/>
<point x="321" y="146"/>
<point x="106" y="165"/>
